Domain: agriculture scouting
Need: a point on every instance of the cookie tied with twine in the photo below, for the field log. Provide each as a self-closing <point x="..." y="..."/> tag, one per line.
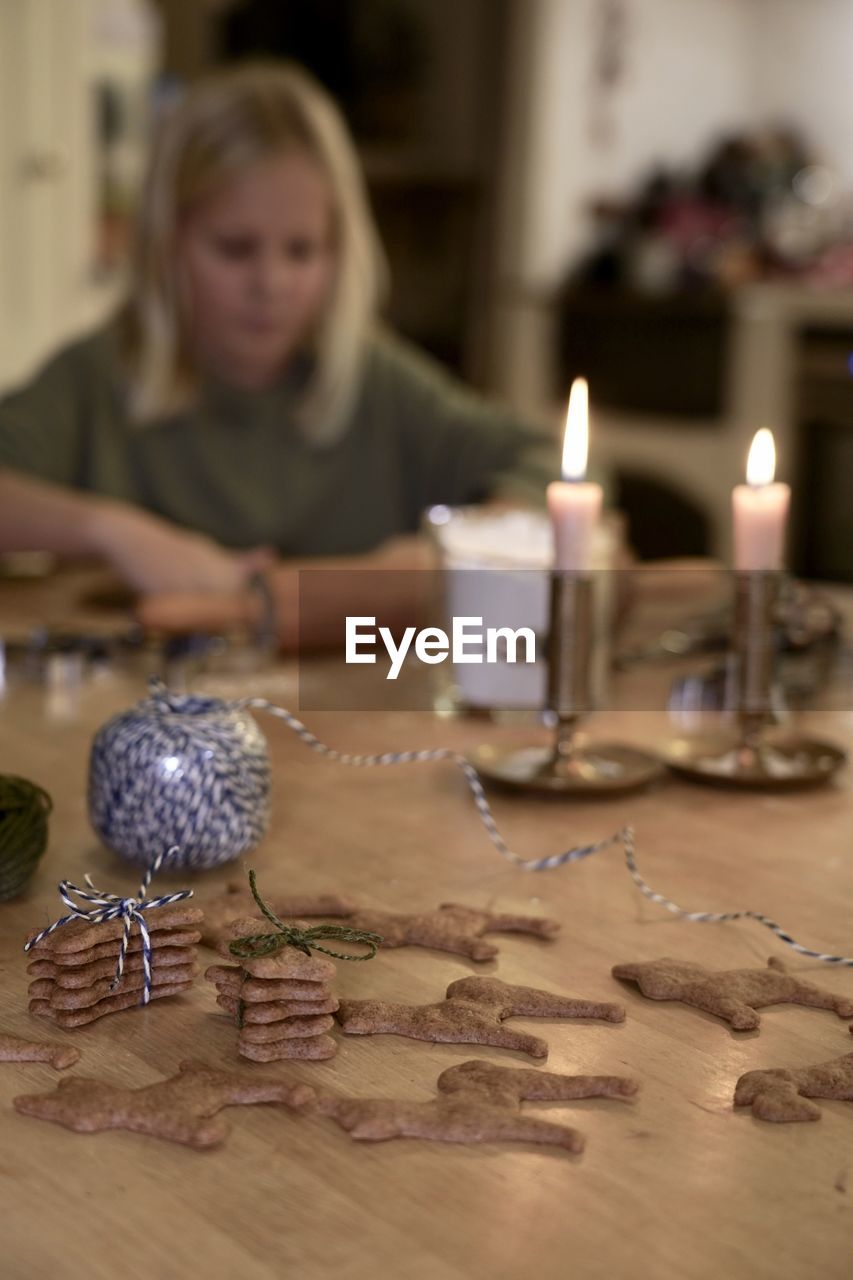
<point x="257" y="945"/>
<point x="128" y="927"/>
<point x="279" y="993"/>
<point x="24" y="811"/>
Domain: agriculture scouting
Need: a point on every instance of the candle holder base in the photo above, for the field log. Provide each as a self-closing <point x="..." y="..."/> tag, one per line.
<point x="764" y="763"/>
<point x="590" y="769"/>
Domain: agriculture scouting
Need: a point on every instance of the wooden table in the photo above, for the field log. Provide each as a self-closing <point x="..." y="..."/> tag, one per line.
<point x="675" y="1186"/>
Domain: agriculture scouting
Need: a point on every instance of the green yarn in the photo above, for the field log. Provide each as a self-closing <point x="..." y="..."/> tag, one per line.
<point x="287" y="935"/>
<point x="24" y="809"/>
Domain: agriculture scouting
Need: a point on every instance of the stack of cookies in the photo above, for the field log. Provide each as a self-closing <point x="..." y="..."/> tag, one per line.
<point x="73" y="968"/>
<point x="282" y="1002"/>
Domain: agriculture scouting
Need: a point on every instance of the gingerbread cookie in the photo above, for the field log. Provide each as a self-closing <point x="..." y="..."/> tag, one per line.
<point x="276" y="1011"/>
<point x="472" y="1012"/>
<point x="286" y="1029"/>
<point x="70" y="1018"/>
<point x="166" y="939"/>
<point x="778" y="1095"/>
<point x="84" y="975"/>
<point x="281" y="1002"/>
<point x="80" y="935"/>
<point x="183" y="1108"/>
<point x="83" y="970"/>
<point x="306" y="1048"/>
<point x="231" y="980"/>
<point x="60" y="1056"/>
<point x="286" y="964"/>
<point x="237" y="903"/>
<point x="732" y="994"/>
<point x="451" y="928"/>
<point x="85" y="997"/>
<point x="477" y="1102"/>
<point x="454" y="928"/>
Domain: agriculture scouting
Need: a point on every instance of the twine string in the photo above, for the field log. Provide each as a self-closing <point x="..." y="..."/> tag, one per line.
<point x="625" y="836"/>
<point x="720" y="917"/>
<point x="427" y="756"/>
<point x="109" y="906"/>
<point x="256" y="945"/>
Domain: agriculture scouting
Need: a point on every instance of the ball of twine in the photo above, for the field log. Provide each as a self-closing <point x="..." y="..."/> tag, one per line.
<point x="24" y="809"/>
<point x="180" y="770"/>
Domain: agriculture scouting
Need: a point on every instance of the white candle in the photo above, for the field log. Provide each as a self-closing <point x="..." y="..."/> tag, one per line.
<point x="573" y="503"/>
<point x="760" y="509"/>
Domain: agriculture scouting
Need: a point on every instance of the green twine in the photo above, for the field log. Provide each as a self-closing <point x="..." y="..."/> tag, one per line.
<point x="287" y="935"/>
<point x="24" y="809"/>
<point x="257" y="945"/>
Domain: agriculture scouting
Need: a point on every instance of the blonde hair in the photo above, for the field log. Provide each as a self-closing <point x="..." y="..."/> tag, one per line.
<point x="223" y="126"/>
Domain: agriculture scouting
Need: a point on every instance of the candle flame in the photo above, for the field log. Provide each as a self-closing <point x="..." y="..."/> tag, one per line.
<point x="761" y="463"/>
<point x="576" y="437"/>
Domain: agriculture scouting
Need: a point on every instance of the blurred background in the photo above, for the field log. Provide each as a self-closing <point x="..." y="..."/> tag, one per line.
<point x="655" y="193"/>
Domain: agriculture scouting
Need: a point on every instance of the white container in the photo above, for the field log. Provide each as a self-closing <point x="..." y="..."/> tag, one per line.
<point x="495" y="565"/>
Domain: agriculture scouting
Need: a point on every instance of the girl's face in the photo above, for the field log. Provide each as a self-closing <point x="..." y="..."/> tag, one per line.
<point x="258" y="265"/>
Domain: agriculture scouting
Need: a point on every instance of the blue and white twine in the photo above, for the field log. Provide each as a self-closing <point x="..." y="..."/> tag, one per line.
<point x="427" y="756"/>
<point x="183" y="770"/>
<point x="718" y="917"/>
<point x="625" y="836"/>
<point x="215" y="806"/>
<point x="109" y="906"/>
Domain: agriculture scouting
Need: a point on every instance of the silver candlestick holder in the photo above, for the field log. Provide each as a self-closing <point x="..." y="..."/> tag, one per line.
<point x="571" y="765"/>
<point x="753" y="753"/>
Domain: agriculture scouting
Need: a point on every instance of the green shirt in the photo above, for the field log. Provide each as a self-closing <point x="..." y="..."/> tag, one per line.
<point x="239" y="469"/>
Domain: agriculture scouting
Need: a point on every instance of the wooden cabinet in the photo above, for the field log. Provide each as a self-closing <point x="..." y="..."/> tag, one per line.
<point x="822" y="514"/>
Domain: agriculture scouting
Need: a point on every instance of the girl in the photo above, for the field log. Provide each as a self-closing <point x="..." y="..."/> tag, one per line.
<point x="244" y="414"/>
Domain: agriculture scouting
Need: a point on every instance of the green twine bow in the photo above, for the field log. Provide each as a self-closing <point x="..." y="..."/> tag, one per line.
<point x="287" y="935"/>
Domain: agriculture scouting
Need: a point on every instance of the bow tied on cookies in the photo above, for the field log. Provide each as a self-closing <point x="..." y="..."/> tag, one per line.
<point x="255" y="945"/>
<point x="95" y="906"/>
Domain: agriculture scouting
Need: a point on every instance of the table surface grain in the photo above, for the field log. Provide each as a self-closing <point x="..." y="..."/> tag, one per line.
<point x="675" y="1186"/>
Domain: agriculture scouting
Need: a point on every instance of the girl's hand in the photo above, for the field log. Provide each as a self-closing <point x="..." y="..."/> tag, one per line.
<point x="156" y="557"/>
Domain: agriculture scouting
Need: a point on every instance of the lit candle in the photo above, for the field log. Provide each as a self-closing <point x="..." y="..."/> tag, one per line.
<point x="573" y="503"/>
<point x="760" y="509"/>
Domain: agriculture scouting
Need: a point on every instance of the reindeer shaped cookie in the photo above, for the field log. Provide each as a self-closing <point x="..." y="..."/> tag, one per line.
<point x="779" y="1095"/>
<point x="451" y="928"/>
<point x="237" y="901"/>
<point x="472" y="1012"/>
<point x="181" y="1109"/>
<point x="477" y="1102"/>
<point x="732" y="994"/>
